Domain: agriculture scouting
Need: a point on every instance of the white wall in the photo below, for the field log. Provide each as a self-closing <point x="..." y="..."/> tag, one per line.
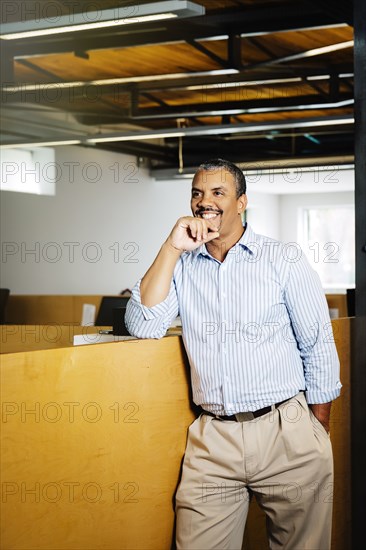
<point x="263" y="213"/>
<point x="290" y="205"/>
<point x="103" y="203"/>
<point x="119" y="208"/>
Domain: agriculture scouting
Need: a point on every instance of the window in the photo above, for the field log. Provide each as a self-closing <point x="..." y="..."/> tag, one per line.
<point x="329" y="241"/>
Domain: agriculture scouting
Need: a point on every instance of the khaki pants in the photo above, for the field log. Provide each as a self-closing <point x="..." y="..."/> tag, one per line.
<point x="284" y="458"/>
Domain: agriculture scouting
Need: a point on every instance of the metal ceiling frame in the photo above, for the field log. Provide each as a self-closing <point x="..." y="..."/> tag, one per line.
<point x="251" y="22"/>
<point x="121" y="96"/>
<point x="211" y="130"/>
<point x="111" y="18"/>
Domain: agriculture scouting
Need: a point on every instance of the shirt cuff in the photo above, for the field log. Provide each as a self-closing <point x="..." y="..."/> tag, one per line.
<point x="153" y="312"/>
<point x="314" y="397"/>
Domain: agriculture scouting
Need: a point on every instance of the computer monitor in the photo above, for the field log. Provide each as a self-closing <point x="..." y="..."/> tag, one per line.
<point x="351" y="298"/>
<point x="4" y="295"/>
<point x="107" y="305"/>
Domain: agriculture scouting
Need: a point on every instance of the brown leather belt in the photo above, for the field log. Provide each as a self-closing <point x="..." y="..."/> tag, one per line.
<point x="245" y="416"/>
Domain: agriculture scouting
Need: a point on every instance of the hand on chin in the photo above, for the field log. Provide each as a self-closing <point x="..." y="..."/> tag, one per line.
<point x="216" y="222"/>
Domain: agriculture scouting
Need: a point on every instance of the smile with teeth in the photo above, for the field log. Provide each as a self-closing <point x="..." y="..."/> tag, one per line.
<point x="209" y="215"/>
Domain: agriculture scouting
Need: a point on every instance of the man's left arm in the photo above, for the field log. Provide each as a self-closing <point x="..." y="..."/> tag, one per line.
<point x="322" y="413"/>
<point x="309" y="314"/>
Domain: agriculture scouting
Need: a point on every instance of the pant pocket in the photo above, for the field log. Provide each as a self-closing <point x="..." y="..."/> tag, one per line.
<point x="297" y="433"/>
<point x="317" y="425"/>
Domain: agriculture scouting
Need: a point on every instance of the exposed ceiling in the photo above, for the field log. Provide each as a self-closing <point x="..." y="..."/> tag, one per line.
<point x="250" y="80"/>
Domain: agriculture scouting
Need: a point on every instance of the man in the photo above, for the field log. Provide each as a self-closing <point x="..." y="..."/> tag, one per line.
<point x="256" y="327"/>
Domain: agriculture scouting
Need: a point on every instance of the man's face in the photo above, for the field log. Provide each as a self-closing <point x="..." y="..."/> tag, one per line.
<point x="214" y="198"/>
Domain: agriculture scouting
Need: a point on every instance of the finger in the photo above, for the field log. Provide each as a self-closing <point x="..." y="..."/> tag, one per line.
<point x="193" y="229"/>
<point x="211" y="236"/>
<point x="196" y="228"/>
<point x="206" y="226"/>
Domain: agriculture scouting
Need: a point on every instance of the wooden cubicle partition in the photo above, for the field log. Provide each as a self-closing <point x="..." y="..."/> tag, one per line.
<point x="337" y="304"/>
<point x="25" y="309"/>
<point x="92" y="439"/>
<point x="42" y="309"/>
<point x="19" y="338"/>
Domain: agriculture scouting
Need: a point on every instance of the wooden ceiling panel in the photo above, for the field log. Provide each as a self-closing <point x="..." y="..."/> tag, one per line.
<point x="287" y="43"/>
<point x="275" y="117"/>
<point x="311" y="113"/>
<point x="182" y="57"/>
<point x="28" y="75"/>
<point x="236" y="93"/>
<point x="106" y="109"/>
<point x="125" y="62"/>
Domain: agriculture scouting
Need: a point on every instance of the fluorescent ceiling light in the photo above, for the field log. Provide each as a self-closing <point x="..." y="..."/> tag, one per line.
<point x="317" y="51"/>
<point x="295" y="29"/>
<point x="310" y="107"/>
<point x="328" y="49"/>
<point x="327" y="77"/>
<point x="244" y="111"/>
<point x="242" y="128"/>
<point x="85" y="27"/>
<point x="41" y="144"/>
<point x="221" y="130"/>
<point x="168" y="76"/>
<point x="244" y="83"/>
<point x="112" y="81"/>
<point x="138" y="135"/>
<point x="113" y="17"/>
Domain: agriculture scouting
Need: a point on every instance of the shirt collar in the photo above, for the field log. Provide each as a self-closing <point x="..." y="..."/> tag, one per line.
<point x="247" y="242"/>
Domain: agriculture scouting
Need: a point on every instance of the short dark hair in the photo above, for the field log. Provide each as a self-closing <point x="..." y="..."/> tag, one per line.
<point x="234" y="170"/>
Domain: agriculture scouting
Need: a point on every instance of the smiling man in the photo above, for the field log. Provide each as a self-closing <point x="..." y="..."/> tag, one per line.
<point x="264" y="370"/>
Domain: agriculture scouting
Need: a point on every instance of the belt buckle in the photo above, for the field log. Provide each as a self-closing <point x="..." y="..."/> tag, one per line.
<point x="244" y="416"/>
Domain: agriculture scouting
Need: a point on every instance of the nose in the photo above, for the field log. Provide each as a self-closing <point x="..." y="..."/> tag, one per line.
<point x="204" y="202"/>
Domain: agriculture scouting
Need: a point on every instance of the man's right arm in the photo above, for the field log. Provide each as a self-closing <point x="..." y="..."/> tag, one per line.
<point x="154" y="302"/>
<point x="155" y="285"/>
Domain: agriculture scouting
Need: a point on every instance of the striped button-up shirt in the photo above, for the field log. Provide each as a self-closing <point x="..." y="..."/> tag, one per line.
<point x="256" y="326"/>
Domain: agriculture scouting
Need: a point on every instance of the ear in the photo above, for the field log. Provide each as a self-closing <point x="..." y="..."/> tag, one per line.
<point x="242" y="203"/>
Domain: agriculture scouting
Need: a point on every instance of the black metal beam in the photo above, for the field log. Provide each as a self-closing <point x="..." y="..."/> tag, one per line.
<point x="39" y="70"/>
<point x="185" y="82"/>
<point x="341" y="10"/>
<point x="209" y="109"/>
<point x="259" y="46"/>
<point x="56" y="78"/>
<point x="151" y="151"/>
<point x="234" y="51"/>
<point x="153" y="98"/>
<point x="287" y="58"/>
<point x="316" y="87"/>
<point x="358" y="367"/>
<point x="360" y="157"/>
<point x="334" y="87"/>
<point x="241" y="77"/>
<point x="249" y="20"/>
<point x="255" y="150"/>
<point x="208" y="53"/>
<point x="7" y="68"/>
<point x="250" y="15"/>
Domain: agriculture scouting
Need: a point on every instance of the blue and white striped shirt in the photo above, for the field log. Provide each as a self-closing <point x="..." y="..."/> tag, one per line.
<point x="256" y="326"/>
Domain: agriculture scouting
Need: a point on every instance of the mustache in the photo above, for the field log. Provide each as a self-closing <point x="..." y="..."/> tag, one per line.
<point x="200" y="210"/>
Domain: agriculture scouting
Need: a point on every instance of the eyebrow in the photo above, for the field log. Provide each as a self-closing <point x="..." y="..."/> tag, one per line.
<point x="221" y="188"/>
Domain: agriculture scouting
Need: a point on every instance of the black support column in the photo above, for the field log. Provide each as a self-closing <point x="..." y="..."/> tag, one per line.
<point x="358" y="367"/>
